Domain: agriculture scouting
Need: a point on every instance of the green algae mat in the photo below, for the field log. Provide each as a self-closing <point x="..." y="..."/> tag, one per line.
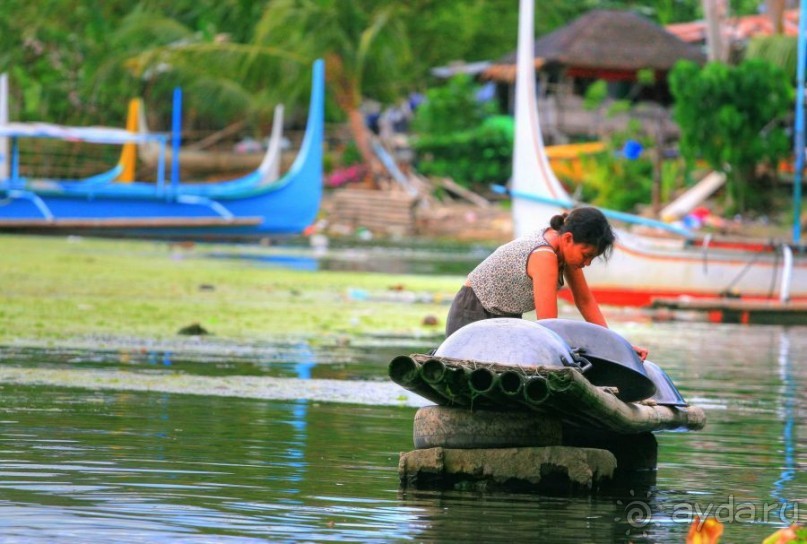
<point x="101" y="292"/>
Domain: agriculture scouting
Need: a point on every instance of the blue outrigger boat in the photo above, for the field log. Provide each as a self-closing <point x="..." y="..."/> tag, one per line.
<point x="254" y="205"/>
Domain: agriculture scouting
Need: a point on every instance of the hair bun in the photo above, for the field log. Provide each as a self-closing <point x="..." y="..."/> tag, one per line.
<point x="557" y="221"/>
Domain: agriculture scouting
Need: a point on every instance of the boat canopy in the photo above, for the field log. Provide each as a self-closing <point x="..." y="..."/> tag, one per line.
<point x="95" y="135"/>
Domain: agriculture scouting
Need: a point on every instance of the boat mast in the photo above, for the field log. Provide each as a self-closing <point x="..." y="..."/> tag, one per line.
<point x="537" y="193"/>
<point x="799" y="140"/>
<point x="176" y="136"/>
<point x="4" y="158"/>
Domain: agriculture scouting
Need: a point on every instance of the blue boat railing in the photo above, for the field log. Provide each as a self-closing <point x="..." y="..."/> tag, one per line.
<point x="611" y="214"/>
<point x="100" y="135"/>
<point x="204" y="201"/>
<point x="34" y="198"/>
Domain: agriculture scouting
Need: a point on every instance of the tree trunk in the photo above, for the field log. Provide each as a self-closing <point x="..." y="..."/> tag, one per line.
<point x="348" y="98"/>
<point x="715" y="12"/>
<point x="362" y="138"/>
<point x="776" y="11"/>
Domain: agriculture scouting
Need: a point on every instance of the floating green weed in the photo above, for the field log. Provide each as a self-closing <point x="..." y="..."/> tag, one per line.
<point x="57" y="288"/>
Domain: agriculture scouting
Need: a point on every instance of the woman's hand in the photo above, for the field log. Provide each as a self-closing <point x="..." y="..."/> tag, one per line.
<point x="641" y="352"/>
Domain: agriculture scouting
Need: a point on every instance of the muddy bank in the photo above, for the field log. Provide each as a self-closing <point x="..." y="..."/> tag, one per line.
<point x="426" y="219"/>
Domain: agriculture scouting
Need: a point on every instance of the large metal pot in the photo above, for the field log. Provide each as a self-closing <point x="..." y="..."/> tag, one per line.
<point x="508" y="341"/>
<point x="666" y="392"/>
<point x="614" y="363"/>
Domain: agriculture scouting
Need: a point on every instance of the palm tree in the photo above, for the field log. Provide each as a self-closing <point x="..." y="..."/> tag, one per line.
<point x="778" y="48"/>
<point x="363" y="43"/>
<point x="219" y="75"/>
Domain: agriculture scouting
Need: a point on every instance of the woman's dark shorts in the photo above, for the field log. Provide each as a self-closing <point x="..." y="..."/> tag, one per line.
<point x="467" y="308"/>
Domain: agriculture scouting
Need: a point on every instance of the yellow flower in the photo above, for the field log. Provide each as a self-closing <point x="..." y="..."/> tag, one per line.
<point x="707" y="532"/>
<point x="782" y="536"/>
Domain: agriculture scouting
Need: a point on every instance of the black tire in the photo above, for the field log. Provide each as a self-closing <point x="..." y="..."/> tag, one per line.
<point x="447" y="427"/>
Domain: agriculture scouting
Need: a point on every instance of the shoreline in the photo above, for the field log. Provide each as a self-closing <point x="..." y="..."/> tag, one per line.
<point x="60" y="289"/>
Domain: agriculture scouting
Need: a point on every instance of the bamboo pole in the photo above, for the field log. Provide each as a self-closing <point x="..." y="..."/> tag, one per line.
<point x="595" y="404"/>
<point x="405" y="371"/>
<point x="486" y="383"/>
<point x="451" y="383"/>
<point x="511" y="383"/>
<point x="566" y="393"/>
<point x="536" y="391"/>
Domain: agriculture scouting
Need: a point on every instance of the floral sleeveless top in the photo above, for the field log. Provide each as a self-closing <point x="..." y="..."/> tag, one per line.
<point x="501" y="282"/>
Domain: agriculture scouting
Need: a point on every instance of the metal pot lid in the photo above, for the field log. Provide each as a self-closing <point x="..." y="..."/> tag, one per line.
<point x="614" y="363"/>
<point x="666" y="392"/>
<point x="508" y="341"/>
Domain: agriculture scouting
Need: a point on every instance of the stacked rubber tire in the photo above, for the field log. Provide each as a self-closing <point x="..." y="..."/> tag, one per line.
<point x="450" y="427"/>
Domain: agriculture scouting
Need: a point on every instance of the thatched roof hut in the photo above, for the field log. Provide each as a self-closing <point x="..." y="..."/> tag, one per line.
<point x="604" y="44"/>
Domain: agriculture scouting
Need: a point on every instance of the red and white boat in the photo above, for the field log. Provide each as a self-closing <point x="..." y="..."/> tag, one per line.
<point x="644" y="266"/>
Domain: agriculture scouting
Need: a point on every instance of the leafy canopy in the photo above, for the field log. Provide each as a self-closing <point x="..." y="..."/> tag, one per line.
<point x="727" y="116"/>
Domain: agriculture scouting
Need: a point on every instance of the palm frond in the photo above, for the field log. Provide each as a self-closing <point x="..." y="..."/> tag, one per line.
<point x="142" y="29"/>
<point x="779" y="50"/>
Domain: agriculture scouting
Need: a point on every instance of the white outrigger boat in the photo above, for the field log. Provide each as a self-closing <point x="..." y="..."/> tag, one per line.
<point x="664" y="261"/>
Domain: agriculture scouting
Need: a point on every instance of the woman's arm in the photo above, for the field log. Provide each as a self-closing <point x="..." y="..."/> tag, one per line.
<point x="542" y="267"/>
<point x="587" y="304"/>
<point x="583" y="298"/>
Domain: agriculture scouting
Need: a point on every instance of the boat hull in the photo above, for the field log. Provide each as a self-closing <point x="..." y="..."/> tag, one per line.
<point x="236" y="208"/>
<point x="639" y="272"/>
<point x="287" y="210"/>
<point x="643" y="267"/>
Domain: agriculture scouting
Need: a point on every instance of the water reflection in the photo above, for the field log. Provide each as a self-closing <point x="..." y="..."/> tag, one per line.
<point x="308" y="263"/>
<point x="299" y="413"/>
<point x="358" y="360"/>
<point x="114" y="466"/>
<point x="455" y="517"/>
<point x="788" y="414"/>
<point x="390" y="260"/>
<point x="156" y="358"/>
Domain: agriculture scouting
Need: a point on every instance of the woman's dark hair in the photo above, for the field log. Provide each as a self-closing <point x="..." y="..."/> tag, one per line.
<point x="588" y="226"/>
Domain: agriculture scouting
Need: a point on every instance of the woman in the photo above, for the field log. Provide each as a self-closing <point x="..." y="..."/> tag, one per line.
<point x="526" y="274"/>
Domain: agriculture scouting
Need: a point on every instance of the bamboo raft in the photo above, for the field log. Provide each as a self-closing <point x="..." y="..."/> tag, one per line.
<point x="563" y="393"/>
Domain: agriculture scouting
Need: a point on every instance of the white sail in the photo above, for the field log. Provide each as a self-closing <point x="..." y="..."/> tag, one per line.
<point x="643" y="267"/>
<point x="532" y="175"/>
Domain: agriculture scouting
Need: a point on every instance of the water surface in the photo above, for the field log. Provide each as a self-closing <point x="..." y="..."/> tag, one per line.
<point x="112" y="463"/>
<point x="428" y="259"/>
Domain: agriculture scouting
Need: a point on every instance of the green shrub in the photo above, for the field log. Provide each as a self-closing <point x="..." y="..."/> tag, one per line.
<point x="459" y="137"/>
<point x="470" y="157"/>
<point x="595" y="95"/>
<point x="727" y="116"/>
<point x="613" y="181"/>
<point x="451" y="108"/>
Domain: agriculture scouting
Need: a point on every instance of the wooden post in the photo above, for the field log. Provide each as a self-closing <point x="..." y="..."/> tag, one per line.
<point x="658" y="163"/>
<point x="715" y="11"/>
